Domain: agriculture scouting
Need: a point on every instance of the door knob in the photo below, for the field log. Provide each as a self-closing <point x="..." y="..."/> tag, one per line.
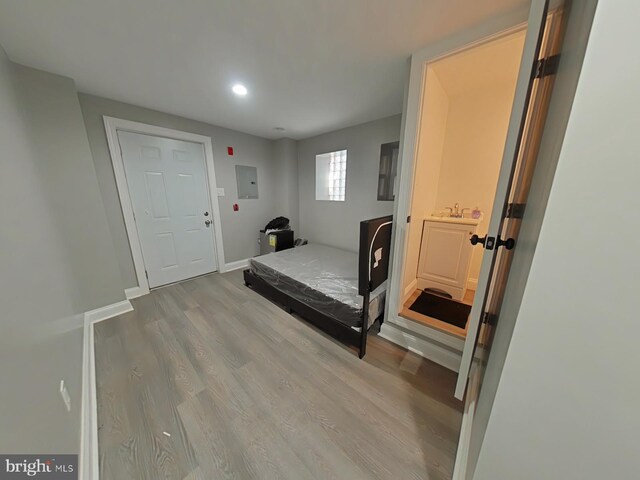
<point x="509" y="243"/>
<point x="207" y="222"/>
<point x="488" y="242"/>
<point x="206" y="214"/>
<point x="475" y="239"/>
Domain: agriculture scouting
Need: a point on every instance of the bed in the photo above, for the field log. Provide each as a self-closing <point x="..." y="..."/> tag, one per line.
<point x="337" y="291"/>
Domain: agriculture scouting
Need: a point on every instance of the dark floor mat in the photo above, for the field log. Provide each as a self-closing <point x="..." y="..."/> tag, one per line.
<point x="449" y="311"/>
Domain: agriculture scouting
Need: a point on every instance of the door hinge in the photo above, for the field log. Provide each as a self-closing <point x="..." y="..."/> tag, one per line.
<point x="146" y="274"/>
<point x="547" y="66"/>
<point x="489" y="318"/>
<point x="409" y="219"/>
<point x="515" y="210"/>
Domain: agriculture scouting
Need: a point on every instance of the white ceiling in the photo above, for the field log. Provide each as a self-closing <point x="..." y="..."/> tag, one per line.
<point x="310" y="65"/>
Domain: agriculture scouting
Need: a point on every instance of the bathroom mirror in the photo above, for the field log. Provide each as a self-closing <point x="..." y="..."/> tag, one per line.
<point x="247" y="179"/>
<point x="388" y="171"/>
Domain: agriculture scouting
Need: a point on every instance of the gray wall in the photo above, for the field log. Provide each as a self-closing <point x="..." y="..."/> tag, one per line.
<point x="239" y="229"/>
<point x="567" y="402"/>
<point x="59" y="138"/>
<point x="51" y="246"/>
<point x="285" y="155"/>
<point x="337" y="223"/>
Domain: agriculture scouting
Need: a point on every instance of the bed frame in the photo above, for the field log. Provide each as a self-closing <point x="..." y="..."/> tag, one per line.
<point x="373" y="270"/>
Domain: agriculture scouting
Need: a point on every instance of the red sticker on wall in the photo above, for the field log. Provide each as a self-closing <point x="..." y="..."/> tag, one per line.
<point x="230" y="150"/>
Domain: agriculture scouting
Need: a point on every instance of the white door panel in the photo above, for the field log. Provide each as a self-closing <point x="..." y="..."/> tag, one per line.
<point x="167" y="183"/>
<point x="157" y="194"/>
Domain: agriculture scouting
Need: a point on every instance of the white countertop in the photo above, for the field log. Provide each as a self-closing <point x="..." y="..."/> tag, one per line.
<point x="460" y="221"/>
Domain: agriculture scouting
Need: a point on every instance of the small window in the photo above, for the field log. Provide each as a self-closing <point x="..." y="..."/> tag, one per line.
<point x="388" y="170"/>
<point x="331" y="176"/>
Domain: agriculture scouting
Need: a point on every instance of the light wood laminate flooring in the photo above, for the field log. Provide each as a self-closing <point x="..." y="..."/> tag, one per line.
<point x="206" y="379"/>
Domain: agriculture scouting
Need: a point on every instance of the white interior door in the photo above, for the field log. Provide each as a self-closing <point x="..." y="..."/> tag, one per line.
<point x="496" y="260"/>
<point x="167" y="182"/>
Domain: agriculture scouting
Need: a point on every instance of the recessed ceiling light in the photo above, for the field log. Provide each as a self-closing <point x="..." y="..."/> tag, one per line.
<point x="239" y="89"/>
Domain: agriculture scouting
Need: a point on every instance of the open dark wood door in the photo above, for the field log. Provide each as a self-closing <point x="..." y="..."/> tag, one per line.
<point x="533" y="91"/>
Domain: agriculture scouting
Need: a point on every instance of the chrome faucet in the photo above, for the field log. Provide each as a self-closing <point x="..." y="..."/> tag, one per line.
<point x="455" y="212"/>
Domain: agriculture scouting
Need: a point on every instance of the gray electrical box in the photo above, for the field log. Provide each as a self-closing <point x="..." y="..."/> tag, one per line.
<point x="247" y="179"/>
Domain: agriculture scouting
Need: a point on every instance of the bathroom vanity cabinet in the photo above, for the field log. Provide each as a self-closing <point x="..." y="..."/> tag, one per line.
<point x="445" y="254"/>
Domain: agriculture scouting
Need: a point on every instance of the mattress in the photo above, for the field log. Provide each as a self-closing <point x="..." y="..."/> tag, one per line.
<point x="322" y="277"/>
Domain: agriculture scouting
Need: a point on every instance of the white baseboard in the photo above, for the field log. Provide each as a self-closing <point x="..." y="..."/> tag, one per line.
<point x="472" y="284"/>
<point x="135" y="292"/>
<point x="464" y="441"/>
<point x="409" y="290"/>
<point x="430" y="350"/>
<point x="238" y="264"/>
<point x="109" y="311"/>
<point x="89" y="461"/>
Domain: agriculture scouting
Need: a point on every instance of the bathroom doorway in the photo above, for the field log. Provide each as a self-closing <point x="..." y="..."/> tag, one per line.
<point x="547" y="80"/>
<point x="467" y="99"/>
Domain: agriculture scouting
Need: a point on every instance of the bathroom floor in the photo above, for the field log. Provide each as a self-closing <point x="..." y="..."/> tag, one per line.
<point x="434" y="322"/>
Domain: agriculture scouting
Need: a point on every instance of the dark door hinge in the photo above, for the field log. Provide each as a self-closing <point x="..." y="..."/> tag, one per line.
<point x="547" y="66"/>
<point x="489" y="318"/>
<point x="409" y="219"/>
<point x="515" y="210"/>
<point x="146" y="274"/>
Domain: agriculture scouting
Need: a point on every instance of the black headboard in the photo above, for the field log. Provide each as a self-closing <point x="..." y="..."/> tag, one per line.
<point x="374" y="253"/>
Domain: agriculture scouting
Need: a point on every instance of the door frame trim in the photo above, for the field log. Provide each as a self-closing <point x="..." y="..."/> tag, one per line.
<point x="468" y="414"/>
<point x="111" y="126"/>
<point x="412" y="116"/>
<point x="407" y="159"/>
